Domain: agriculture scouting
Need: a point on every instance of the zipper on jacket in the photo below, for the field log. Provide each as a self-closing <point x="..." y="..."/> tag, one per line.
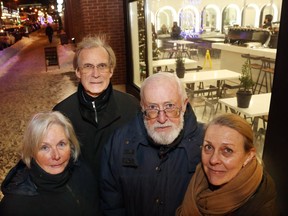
<point x="95" y="111"/>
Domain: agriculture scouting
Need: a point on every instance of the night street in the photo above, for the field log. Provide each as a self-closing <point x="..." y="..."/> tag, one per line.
<point x="26" y="88"/>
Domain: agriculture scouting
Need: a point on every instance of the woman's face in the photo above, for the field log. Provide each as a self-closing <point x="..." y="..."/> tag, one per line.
<point x="223" y="154"/>
<point x="54" y="151"/>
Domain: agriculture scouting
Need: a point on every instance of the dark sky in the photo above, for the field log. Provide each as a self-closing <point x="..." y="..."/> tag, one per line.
<point x="44" y="2"/>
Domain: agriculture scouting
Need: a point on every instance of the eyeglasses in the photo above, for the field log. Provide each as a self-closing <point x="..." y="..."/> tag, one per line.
<point x="89" y="68"/>
<point x="170" y="110"/>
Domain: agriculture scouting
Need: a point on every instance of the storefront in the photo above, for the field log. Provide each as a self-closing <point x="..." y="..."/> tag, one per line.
<point x="9" y="17"/>
<point x="211" y="37"/>
<point x="199" y="18"/>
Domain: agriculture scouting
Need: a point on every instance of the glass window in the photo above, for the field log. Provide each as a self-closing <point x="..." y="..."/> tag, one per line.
<point x="203" y="32"/>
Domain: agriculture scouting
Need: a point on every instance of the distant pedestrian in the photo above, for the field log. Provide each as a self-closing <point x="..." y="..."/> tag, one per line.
<point x="268" y="21"/>
<point x="175" y="31"/>
<point x="49" y="32"/>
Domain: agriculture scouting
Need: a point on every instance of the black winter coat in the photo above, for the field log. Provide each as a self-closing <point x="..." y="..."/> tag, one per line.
<point x="73" y="194"/>
<point x="49" y="31"/>
<point x="136" y="180"/>
<point x="119" y="109"/>
<point x="263" y="202"/>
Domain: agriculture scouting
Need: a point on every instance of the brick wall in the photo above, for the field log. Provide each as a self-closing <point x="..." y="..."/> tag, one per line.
<point x="84" y="17"/>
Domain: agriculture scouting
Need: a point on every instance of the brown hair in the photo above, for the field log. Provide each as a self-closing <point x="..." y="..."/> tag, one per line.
<point x="237" y="123"/>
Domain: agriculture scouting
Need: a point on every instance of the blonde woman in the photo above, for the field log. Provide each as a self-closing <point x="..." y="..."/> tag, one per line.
<point x="50" y="179"/>
<point x="230" y="180"/>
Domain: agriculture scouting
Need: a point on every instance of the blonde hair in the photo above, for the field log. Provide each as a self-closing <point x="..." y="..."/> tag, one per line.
<point x="38" y="127"/>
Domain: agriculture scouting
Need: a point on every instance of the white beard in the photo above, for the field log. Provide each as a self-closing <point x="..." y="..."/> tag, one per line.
<point x="163" y="138"/>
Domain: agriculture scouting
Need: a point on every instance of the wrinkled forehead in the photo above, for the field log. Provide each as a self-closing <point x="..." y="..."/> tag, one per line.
<point x="93" y="53"/>
<point x="161" y="91"/>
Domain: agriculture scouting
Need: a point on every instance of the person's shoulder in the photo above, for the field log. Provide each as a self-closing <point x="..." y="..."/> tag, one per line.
<point x="18" y="181"/>
<point x="263" y="201"/>
<point x="127" y="103"/>
<point x="268" y="184"/>
<point x="124" y="95"/>
<point x="82" y="167"/>
<point x="67" y="102"/>
<point x="134" y="127"/>
<point x="129" y="135"/>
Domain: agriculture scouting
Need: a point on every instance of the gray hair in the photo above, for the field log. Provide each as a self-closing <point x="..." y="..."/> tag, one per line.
<point x="164" y="76"/>
<point x="38" y="127"/>
<point x="91" y="42"/>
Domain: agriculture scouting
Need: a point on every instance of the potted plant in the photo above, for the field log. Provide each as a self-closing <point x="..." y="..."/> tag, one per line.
<point x="244" y="93"/>
<point x="180" y="66"/>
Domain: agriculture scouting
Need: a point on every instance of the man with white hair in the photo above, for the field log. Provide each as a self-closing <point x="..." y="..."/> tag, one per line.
<point x="147" y="164"/>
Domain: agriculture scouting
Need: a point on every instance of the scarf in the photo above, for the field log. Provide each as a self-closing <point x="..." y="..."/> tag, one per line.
<point x="201" y="200"/>
<point x="48" y="182"/>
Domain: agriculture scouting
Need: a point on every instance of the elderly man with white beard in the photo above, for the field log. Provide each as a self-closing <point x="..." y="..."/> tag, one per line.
<point x="147" y="164"/>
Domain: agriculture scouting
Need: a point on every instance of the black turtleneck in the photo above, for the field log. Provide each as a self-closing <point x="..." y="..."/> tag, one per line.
<point x="48" y="182"/>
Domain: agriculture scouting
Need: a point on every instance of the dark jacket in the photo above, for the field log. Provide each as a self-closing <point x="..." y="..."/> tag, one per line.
<point x="263" y="202"/>
<point x="137" y="179"/>
<point x="117" y="109"/>
<point x="49" y="30"/>
<point x="71" y="193"/>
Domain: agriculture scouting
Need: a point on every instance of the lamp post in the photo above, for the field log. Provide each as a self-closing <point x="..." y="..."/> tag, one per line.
<point x="59" y="12"/>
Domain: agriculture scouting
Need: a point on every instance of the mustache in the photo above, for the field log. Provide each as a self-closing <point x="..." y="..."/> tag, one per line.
<point x="159" y="125"/>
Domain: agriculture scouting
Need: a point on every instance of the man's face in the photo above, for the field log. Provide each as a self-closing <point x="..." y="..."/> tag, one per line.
<point x="163" y="95"/>
<point x="94" y="80"/>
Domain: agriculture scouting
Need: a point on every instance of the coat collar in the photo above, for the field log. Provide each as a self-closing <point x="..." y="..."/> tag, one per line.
<point x="191" y="141"/>
<point x="107" y="113"/>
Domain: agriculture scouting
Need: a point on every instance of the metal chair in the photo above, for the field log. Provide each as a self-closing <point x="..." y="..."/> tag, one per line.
<point x="265" y="74"/>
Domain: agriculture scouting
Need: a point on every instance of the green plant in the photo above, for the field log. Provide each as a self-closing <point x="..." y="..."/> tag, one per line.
<point x="245" y="78"/>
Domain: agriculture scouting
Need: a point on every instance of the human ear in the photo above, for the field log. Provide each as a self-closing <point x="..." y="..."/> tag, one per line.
<point x="185" y="104"/>
<point x="77" y="73"/>
<point x="251" y="155"/>
<point x="111" y="72"/>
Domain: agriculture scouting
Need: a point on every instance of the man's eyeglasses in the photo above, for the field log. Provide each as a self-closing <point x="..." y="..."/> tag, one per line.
<point x="170" y="110"/>
<point x="89" y="68"/>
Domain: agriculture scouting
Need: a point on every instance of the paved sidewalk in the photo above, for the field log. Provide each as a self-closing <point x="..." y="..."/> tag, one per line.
<point x="26" y="88"/>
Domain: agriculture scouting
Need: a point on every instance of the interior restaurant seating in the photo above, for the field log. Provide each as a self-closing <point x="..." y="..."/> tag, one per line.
<point x="265" y="68"/>
<point x="265" y="76"/>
